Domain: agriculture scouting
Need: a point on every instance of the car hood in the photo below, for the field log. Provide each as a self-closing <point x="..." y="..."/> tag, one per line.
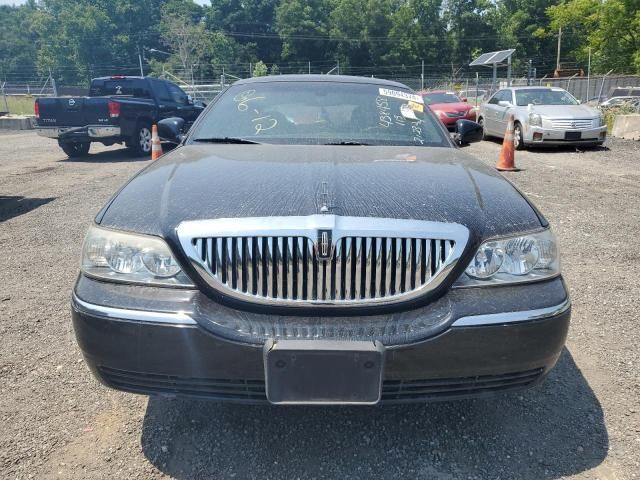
<point x="196" y="182"/>
<point x="451" y="107"/>
<point x="565" y="111"/>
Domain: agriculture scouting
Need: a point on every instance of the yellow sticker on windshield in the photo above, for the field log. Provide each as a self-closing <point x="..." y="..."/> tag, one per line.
<point x="416" y="107"/>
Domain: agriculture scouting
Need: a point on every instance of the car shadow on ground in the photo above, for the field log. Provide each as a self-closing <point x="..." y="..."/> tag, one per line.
<point x="550" y="431"/>
<point x="14" y="206"/>
<point x="114" y="156"/>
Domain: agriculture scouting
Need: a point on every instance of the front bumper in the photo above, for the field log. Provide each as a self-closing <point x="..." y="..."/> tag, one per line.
<point x="89" y="131"/>
<point x="503" y="345"/>
<point x="538" y="136"/>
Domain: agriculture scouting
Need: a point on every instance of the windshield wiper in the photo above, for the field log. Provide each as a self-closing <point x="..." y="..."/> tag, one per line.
<point x="347" y="142"/>
<point x="225" y="140"/>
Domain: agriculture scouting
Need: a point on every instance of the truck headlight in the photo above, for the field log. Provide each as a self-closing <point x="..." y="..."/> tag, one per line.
<point x="513" y="260"/>
<point x="131" y="258"/>
<point x="535" y="120"/>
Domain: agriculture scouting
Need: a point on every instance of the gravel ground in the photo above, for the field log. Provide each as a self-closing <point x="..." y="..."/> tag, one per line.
<point x="58" y="422"/>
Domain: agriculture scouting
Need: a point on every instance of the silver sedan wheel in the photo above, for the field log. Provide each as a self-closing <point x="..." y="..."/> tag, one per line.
<point x="145" y="139"/>
<point x="517" y="137"/>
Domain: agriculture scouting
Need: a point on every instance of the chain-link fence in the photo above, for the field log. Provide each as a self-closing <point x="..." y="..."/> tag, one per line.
<point x="204" y="82"/>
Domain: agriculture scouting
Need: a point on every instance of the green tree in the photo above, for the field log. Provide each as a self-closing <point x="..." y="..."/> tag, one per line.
<point x="611" y="29"/>
<point x="303" y="26"/>
<point x="260" y="69"/>
<point x="17" y="42"/>
<point x="418" y="31"/>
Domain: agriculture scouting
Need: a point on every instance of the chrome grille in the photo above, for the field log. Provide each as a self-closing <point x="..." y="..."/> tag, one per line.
<point x="454" y="114"/>
<point x="572" y="124"/>
<point x="289" y="268"/>
<point x="280" y="264"/>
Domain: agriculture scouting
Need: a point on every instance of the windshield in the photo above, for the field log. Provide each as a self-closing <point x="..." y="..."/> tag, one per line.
<point x="432" y="98"/>
<point x="320" y="113"/>
<point x="540" y="96"/>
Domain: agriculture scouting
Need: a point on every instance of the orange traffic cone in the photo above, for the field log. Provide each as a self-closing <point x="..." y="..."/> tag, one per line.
<point x="156" y="146"/>
<point x="506" y="160"/>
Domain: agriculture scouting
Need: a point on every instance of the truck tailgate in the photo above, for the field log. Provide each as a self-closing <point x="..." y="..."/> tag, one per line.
<point x="73" y="111"/>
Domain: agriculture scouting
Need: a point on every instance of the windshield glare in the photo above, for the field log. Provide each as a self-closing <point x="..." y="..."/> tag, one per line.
<point x="433" y="98"/>
<point x="544" y="97"/>
<point x="320" y="113"/>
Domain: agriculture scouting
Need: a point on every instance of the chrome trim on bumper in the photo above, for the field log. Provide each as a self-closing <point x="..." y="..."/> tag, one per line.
<point x="184" y="318"/>
<point x="123" y="314"/>
<point x="93" y="131"/>
<point x="512" y="317"/>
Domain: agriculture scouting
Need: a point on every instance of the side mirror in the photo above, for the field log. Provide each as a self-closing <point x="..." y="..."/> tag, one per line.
<point x="170" y="129"/>
<point x="467" y="132"/>
<point x="504" y="103"/>
<point x="189" y="100"/>
<point x="464" y="99"/>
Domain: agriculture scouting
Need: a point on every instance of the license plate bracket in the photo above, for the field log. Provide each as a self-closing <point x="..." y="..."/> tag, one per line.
<point x="572" y="135"/>
<point x="323" y="372"/>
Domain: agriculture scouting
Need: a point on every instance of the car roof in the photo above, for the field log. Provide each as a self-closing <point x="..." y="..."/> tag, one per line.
<point x="533" y="88"/>
<point x="321" y="78"/>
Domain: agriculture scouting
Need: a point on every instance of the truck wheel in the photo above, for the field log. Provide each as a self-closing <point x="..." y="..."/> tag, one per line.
<point x="75" y="149"/>
<point x="140" y="142"/>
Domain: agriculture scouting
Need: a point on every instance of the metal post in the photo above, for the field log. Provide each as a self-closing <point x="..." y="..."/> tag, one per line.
<point x="250" y="69"/>
<point x="529" y="74"/>
<point x="559" y="45"/>
<point x="422" y="77"/>
<point x="509" y="71"/>
<point x="338" y="67"/>
<point x="495" y="75"/>
<point x="309" y="68"/>
<point x="140" y="62"/>
<point x="602" y="85"/>
<point x="589" y="75"/>
<point x="53" y="84"/>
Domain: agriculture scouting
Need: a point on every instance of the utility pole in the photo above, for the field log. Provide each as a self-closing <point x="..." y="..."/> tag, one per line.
<point x="589" y="76"/>
<point x="559" y="45"/>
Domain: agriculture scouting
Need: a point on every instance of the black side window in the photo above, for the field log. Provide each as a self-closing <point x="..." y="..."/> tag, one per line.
<point x="176" y="93"/>
<point x="161" y="91"/>
<point x="496" y="98"/>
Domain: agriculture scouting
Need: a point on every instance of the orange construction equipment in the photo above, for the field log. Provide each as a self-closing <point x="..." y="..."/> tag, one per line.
<point x="506" y="160"/>
<point x="156" y="146"/>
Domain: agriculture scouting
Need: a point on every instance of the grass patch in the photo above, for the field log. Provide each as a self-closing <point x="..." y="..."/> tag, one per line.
<point x="18" y="104"/>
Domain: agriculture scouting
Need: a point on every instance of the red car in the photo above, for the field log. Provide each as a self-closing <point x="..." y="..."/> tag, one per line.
<point x="449" y="107"/>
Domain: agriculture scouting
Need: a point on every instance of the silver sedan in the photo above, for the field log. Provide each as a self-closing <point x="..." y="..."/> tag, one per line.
<point x="542" y="116"/>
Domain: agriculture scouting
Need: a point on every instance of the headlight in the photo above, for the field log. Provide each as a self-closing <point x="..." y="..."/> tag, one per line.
<point x="513" y="260"/>
<point x="603" y="120"/>
<point x="130" y="258"/>
<point x="535" y="120"/>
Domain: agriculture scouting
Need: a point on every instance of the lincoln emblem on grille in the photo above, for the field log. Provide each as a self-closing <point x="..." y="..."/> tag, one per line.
<point x="324" y="246"/>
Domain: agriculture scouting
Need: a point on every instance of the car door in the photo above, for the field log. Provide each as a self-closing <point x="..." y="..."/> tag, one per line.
<point x="502" y="112"/>
<point x="184" y="105"/>
<point x="491" y="113"/>
<point x="167" y="107"/>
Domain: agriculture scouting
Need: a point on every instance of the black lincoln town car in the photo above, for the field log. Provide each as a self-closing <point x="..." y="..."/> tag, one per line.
<point x="319" y="240"/>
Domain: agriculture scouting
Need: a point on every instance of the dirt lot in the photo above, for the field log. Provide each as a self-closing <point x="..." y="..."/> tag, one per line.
<point x="58" y="422"/>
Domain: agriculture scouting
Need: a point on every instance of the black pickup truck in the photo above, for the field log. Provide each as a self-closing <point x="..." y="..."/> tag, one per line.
<point x="118" y="109"/>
